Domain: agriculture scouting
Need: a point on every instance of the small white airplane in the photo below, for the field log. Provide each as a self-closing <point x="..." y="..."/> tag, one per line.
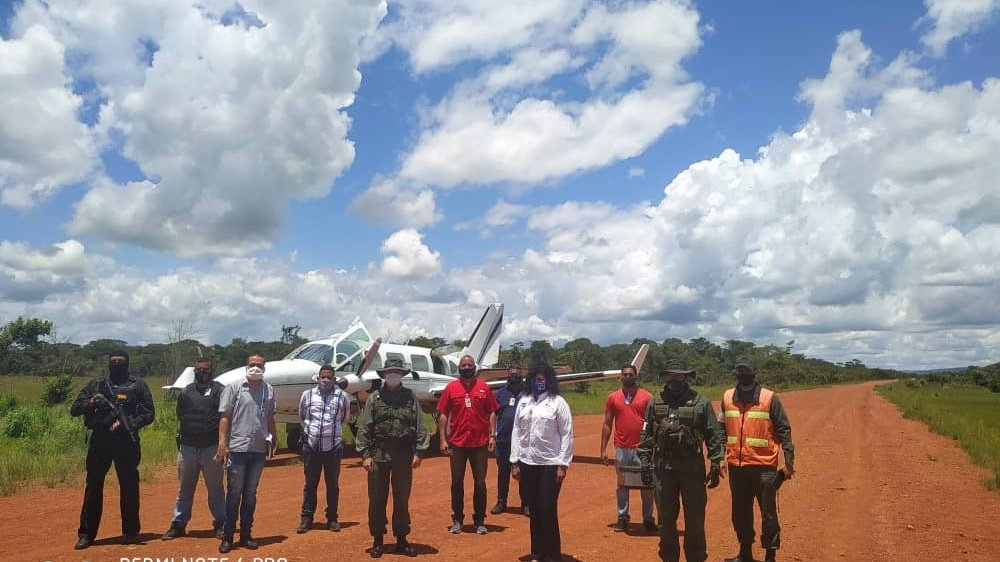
<point x="355" y="356"/>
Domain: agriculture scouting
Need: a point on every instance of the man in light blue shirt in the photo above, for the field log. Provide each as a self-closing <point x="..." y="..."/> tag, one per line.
<point x="246" y="439"/>
<point x="323" y="411"/>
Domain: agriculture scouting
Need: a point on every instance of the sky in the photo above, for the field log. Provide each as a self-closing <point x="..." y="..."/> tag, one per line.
<point x="819" y="172"/>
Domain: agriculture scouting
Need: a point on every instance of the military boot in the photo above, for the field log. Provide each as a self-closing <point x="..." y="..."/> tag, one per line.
<point x="305" y="524"/>
<point x="745" y="555"/>
<point x="769" y="555"/>
<point x="376" y="551"/>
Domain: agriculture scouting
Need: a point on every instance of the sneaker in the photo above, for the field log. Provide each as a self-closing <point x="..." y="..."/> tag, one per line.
<point x="305" y="524"/>
<point x="226" y="545"/>
<point x="499" y="508"/>
<point x="456" y="527"/>
<point x="620" y="525"/>
<point x="83" y="542"/>
<point x="649" y="525"/>
<point x="173" y="532"/>
<point x="481" y="529"/>
<point x="333" y="525"/>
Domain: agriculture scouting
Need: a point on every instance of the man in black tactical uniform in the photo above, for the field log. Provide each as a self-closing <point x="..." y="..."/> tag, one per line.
<point x="391" y="437"/>
<point x="114" y="408"/>
<point x="197" y="443"/>
<point x="678" y="420"/>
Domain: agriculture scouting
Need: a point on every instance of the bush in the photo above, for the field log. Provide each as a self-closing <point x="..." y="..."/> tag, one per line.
<point x="7" y="403"/>
<point x="24" y="422"/>
<point x="57" y="390"/>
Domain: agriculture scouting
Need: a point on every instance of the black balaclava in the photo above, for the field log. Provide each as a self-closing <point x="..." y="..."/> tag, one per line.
<point x="118" y="371"/>
<point x="677" y="387"/>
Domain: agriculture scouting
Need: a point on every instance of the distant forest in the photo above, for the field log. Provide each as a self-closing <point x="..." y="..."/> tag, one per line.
<point x="28" y="347"/>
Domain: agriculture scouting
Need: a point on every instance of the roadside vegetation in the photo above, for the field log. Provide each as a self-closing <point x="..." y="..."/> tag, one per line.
<point x="964" y="412"/>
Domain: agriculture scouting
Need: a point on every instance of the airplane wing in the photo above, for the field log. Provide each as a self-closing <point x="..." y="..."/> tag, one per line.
<point x="637" y="362"/>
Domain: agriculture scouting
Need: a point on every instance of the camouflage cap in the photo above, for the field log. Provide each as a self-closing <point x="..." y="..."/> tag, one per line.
<point x="392" y="365"/>
<point x="675" y="367"/>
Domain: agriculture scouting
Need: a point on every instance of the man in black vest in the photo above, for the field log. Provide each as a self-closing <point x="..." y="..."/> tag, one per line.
<point x="114" y="408"/>
<point x="197" y="443"/>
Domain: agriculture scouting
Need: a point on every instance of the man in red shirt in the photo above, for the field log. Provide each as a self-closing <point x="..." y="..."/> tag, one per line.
<point x="626" y="410"/>
<point x="467" y="427"/>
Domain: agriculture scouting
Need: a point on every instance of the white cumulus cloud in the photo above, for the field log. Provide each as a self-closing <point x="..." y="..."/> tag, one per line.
<point x="951" y="19"/>
<point x="406" y="255"/>
<point x="43" y="145"/>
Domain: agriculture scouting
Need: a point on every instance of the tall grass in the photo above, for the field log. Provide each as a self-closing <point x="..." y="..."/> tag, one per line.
<point x="44" y="444"/>
<point x="967" y="414"/>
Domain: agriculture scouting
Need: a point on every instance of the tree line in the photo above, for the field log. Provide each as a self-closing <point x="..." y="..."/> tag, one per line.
<point x="28" y="348"/>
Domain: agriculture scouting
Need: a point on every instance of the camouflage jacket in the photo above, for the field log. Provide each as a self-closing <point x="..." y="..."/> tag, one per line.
<point x="391" y="423"/>
<point x="675" y="429"/>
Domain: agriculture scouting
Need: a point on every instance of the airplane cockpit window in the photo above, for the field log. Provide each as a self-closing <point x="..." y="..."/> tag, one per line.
<point x="318" y="353"/>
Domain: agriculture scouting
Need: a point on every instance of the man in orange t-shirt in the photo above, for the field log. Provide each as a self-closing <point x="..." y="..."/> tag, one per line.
<point x="467" y="428"/>
<point x="625" y="409"/>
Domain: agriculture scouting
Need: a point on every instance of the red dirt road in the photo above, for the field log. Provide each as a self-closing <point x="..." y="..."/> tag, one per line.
<point x="870" y="486"/>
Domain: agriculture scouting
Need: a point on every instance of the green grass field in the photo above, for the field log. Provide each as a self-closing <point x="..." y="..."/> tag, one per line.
<point x="967" y="414"/>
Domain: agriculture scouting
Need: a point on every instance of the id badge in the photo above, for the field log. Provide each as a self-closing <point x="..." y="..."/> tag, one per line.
<point x="511" y="401"/>
<point x="468" y="401"/>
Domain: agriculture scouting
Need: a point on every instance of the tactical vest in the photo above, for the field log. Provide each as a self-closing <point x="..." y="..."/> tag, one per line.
<point x="198" y="416"/>
<point x="675" y="428"/>
<point x="395" y="424"/>
<point x="749" y="431"/>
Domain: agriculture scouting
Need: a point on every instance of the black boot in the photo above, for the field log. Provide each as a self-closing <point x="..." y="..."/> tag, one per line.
<point x="769" y="554"/>
<point x="226" y="545"/>
<point x="403" y="546"/>
<point x="745" y="555"/>
<point x="305" y="524"/>
<point x="376" y="551"/>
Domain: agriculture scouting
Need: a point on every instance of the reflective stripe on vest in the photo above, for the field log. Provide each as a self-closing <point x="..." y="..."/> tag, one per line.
<point x="752" y="424"/>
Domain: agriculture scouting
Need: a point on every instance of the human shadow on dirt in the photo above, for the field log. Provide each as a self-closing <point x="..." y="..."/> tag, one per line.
<point x="565" y="558"/>
<point x="120" y="540"/>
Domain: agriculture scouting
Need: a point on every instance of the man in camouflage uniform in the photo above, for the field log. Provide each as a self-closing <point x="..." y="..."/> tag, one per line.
<point x="391" y="437"/>
<point x="678" y="420"/>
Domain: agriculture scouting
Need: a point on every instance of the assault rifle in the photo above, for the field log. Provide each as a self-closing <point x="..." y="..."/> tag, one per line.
<point x="116" y="408"/>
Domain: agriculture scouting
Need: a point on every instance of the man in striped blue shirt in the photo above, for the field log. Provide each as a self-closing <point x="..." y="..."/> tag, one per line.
<point x="323" y="411"/>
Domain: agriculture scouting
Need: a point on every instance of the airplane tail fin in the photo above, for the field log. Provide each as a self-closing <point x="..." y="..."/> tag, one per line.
<point x="185" y="378"/>
<point x="484" y="343"/>
<point x="640" y="357"/>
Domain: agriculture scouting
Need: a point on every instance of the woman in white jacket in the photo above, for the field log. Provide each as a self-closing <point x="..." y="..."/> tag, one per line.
<point x="541" y="449"/>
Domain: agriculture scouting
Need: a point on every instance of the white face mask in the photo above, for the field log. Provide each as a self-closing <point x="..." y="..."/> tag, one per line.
<point x="393" y="380"/>
<point x="255" y="373"/>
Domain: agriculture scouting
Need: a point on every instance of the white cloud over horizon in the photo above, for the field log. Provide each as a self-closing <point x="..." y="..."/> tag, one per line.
<point x="868" y="231"/>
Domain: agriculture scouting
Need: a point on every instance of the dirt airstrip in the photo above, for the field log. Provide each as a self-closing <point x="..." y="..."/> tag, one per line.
<point x="870" y="486"/>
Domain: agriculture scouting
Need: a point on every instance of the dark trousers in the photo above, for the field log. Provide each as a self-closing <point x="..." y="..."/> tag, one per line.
<point x="398" y="473"/>
<point x="477" y="457"/>
<point x="241" y="491"/>
<point x="539" y="486"/>
<point x="672" y="486"/>
<point x="328" y="463"/>
<point x="503" y="473"/>
<point x="746" y="484"/>
<point x="103" y="450"/>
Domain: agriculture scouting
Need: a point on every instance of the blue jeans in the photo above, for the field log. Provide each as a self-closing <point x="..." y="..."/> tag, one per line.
<point x="190" y="462"/>
<point x="628" y="457"/>
<point x="241" y="498"/>
<point x="313" y="463"/>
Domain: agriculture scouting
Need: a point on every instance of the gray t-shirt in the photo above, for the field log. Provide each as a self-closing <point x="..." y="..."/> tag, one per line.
<point x="249" y="409"/>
